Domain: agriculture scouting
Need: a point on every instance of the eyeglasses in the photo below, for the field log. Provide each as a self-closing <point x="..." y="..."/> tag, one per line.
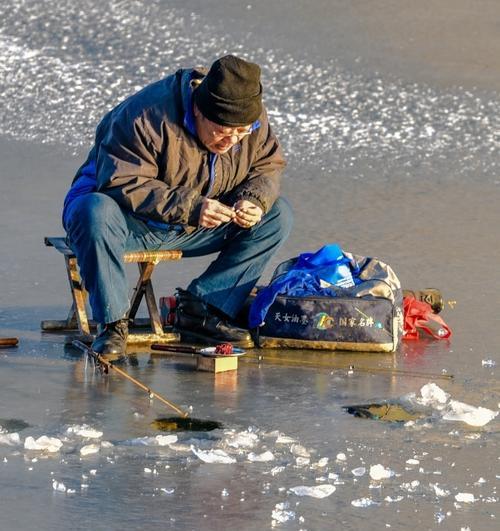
<point x="221" y="133"/>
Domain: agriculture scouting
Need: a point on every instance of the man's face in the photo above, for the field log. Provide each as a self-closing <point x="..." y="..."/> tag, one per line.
<point x="218" y="138"/>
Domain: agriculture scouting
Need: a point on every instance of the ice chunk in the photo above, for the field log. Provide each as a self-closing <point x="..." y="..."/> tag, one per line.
<point x="85" y="431"/>
<point x="276" y="470"/>
<point x="474" y="416"/>
<point x="488" y="363"/>
<point x="167" y="491"/>
<point x="388" y="499"/>
<point x="106" y="444"/>
<point x="358" y="472"/>
<point x="58" y="485"/>
<point x="10" y="439"/>
<point x="245" y="439"/>
<point x="165" y="440"/>
<point x="261" y="458"/>
<point x="363" y="502"/>
<point x="213" y="456"/>
<point x="439" y="491"/>
<point x="432" y="395"/>
<point x="282" y="514"/>
<point x="43" y="443"/>
<point x="412" y="462"/>
<point x="302" y="461"/>
<point x="90" y="449"/>
<point x="284" y="439"/>
<point x="341" y="456"/>
<point x="147" y="470"/>
<point x="465" y="497"/>
<point x="321" y="463"/>
<point x="318" y="491"/>
<point x="378" y="472"/>
<point x="410" y="487"/>
<point x="299" y="450"/>
<point x="159" y="440"/>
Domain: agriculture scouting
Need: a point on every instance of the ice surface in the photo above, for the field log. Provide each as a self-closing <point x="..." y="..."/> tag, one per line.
<point x="43" y="443"/>
<point x="84" y="431"/>
<point x="378" y="472"/>
<point x="213" y="456"/>
<point x="261" y="458"/>
<point x="10" y="439"/>
<point x="90" y="449"/>
<point x="318" y="491"/>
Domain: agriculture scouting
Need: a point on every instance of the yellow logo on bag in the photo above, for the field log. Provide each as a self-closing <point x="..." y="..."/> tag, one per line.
<point x="323" y="321"/>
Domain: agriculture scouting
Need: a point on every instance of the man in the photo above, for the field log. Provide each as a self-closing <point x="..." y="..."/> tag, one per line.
<point x="190" y="163"/>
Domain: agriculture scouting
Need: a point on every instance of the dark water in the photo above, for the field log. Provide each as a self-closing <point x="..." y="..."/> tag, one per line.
<point x="389" y="117"/>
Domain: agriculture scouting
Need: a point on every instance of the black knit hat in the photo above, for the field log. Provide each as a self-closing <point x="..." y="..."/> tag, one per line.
<point x="231" y="93"/>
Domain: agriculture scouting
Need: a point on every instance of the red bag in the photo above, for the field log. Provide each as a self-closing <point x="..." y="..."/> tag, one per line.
<point x="419" y="315"/>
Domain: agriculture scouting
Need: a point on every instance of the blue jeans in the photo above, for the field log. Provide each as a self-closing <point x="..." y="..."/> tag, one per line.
<point x="100" y="232"/>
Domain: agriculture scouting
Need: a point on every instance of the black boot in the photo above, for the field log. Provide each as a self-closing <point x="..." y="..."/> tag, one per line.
<point x="197" y="320"/>
<point x="112" y="339"/>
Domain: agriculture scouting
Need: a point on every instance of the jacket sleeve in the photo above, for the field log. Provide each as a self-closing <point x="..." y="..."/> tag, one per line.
<point x="262" y="185"/>
<point x="127" y="171"/>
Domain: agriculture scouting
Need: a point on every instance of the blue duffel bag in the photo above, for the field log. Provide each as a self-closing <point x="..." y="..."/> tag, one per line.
<point x="330" y="300"/>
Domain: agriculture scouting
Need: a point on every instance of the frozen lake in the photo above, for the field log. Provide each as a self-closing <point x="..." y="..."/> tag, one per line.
<point x="389" y="118"/>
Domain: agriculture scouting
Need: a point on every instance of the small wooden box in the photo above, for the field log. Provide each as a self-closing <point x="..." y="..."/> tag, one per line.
<point x="220" y="364"/>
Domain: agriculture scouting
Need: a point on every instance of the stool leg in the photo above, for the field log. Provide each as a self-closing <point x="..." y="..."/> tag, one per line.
<point x="144" y="288"/>
<point x="78" y="294"/>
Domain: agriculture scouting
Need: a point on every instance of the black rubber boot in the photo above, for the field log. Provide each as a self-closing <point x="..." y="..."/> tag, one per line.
<point x="196" y="320"/>
<point x="112" y="339"/>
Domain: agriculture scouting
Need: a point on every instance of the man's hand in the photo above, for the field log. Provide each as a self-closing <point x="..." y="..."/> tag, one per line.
<point x="247" y="213"/>
<point x="213" y="213"/>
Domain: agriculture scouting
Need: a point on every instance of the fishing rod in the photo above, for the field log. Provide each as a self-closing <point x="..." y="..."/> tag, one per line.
<point x="109" y="365"/>
<point x="186" y="349"/>
<point x="350" y="367"/>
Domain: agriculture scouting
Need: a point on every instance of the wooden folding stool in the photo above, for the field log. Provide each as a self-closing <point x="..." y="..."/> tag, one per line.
<point x="77" y="319"/>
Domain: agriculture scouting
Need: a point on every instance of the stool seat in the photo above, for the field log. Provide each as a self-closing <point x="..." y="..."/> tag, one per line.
<point x="77" y="318"/>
